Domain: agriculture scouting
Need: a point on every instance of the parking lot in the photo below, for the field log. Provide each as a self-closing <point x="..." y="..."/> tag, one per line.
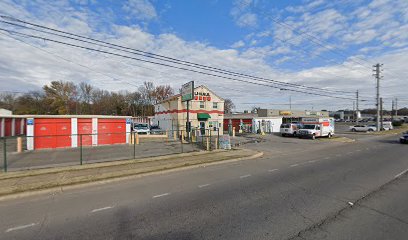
<point x="90" y="154"/>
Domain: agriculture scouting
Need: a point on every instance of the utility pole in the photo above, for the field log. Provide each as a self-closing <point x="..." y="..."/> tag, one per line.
<point x="392" y="110"/>
<point x="290" y="102"/>
<point x="357" y="113"/>
<point x="396" y="107"/>
<point x="381" y="113"/>
<point x="378" y="77"/>
<point x="354" y="111"/>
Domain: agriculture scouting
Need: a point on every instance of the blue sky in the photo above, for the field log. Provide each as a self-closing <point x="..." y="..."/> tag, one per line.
<point x="321" y="43"/>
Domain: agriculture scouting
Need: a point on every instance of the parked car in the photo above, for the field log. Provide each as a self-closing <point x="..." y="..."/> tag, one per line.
<point x="404" y="138"/>
<point x="387" y="126"/>
<point x="141" y="128"/>
<point x="289" y="129"/>
<point x="363" y="128"/>
<point x="154" y="129"/>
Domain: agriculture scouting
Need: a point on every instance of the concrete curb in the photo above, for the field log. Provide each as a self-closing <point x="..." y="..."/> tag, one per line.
<point x="71" y="186"/>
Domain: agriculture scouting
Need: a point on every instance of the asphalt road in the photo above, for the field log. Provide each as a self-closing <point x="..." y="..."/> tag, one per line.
<point x="300" y="189"/>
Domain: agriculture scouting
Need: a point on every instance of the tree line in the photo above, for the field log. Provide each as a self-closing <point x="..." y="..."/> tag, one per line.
<point x="61" y="97"/>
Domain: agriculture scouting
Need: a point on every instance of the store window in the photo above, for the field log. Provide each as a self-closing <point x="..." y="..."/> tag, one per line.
<point x="202" y="104"/>
<point x="215" y="105"/>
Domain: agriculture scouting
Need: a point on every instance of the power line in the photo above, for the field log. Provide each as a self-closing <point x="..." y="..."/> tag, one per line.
<point x="161" y="57"/>
<point x="171" y="66"/>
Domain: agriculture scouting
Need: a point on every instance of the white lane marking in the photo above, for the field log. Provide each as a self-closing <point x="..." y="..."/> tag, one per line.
<point x="327" y="158"/>
<point x="273" y="170"/>
<point x="20" y="227"/>
<point x="101" y="209"/>
<point x="245" y="176"/>
<point x="312" y="161"/>
<point x="401" y="173"/>
<point x="358" y="150"/>
<point x="204" y="185"/>
<point x="294" y="165"/>
<point x="161" y="195"/>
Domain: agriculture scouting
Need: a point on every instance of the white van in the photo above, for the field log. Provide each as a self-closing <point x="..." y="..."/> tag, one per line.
<point x="387" y="126"/>
<point x="289" y="129"/>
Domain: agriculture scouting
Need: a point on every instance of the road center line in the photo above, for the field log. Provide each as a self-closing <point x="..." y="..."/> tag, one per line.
<point x="401" y="173"/>
<point x="204" y="185"/>
<point x="273" y="170"/>
<point x="20" y="227"/>
<point x="161" y="195"/>
<point x="294" y="165"/>
<point x="245" y="176"/>
<point x="101" y="209"/>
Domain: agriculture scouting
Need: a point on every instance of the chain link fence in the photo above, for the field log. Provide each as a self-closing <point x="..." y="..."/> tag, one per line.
<point x="68" y="150"/>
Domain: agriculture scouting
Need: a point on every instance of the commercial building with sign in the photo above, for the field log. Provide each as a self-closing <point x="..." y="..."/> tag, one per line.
<point x="291" y="115"/>
<point x="206" y="111"/>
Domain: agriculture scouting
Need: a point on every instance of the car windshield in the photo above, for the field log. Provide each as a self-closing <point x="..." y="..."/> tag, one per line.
<point x="141" y="126"/>
<point x="285" y="126"/>
<point x="308" y="126"/>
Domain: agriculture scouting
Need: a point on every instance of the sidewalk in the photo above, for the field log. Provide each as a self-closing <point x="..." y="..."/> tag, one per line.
<point x="19" y="182"/>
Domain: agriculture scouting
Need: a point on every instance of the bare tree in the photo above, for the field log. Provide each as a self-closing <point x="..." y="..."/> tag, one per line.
<point x="228" y="105"/>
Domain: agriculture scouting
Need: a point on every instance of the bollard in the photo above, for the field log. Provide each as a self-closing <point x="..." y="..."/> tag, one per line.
<point x="137" y="138"/>
<point x="134" y="145"/>
<point x="19" y="144"/>
<point x="167" y="133"/>
<point x="5" y="154"/>
<point x="208" y="143"/>
<point x="233" y="132"/>
<point x="216" y="143"/>
<point x="175" y="135"/>
<point x="80" y="149"/>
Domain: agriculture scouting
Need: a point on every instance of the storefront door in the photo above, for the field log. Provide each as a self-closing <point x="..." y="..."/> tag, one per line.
<point x="202" y="128"/>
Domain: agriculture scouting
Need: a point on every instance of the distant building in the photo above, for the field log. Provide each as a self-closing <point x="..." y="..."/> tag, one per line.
<point x="5" y="112"/>
<point x="291" y="115"/>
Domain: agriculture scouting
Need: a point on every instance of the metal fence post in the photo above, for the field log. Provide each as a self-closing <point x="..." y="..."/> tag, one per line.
<point x="134" y="145"/>
<point x="181" y="140"/>
<point x="80" y="149"/>
<point x="5" y="154"/>
<point x="209" y="131"/>
<point x="218" y="136"/>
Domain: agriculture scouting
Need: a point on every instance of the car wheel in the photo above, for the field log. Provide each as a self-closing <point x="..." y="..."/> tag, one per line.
<point x="294" y="134"/>
<point x="353" y="129"/>
<point x="329" y="136"/>
<point x="313" y="137"/>
<point x="370" y="130"/>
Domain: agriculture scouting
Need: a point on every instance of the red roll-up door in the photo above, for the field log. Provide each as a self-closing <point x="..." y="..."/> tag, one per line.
<point x="7" y="127"/>
<point x="85" y="128"/>
<point x="52" y="133"/>
<point x="111" y="131"/>
<point x="17" y="126"/>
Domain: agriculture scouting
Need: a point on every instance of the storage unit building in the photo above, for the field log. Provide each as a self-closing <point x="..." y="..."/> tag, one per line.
<point x="12" y="125"/>
<point x="61" y="131"/>
<point x="241" y="121"/>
